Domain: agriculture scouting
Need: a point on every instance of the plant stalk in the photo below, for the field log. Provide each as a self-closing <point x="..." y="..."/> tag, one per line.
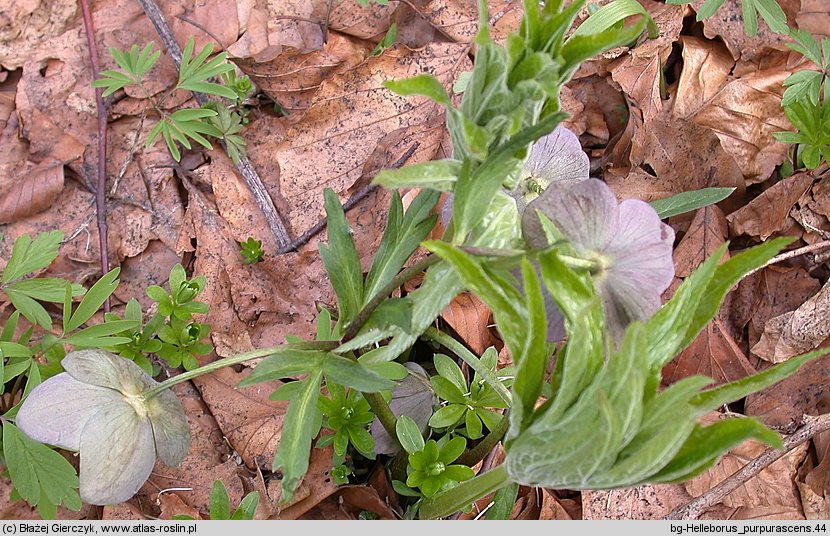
<point x="229" y="361"/>
<point x="402" y="277"/>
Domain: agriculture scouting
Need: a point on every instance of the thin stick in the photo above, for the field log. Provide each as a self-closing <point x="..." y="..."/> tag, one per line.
<point x="249" y="174"/>
<point x="692" y="510"/>
<point x="824" y="244"/>
<point x="100" y="190"/>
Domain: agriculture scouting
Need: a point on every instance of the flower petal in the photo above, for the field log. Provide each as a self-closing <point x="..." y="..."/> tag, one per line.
<point x="642" y="249"/>
<point x="586" y="213"/>
<point x="98" y="367"/>
<point x="170" y="428"/>
<point x="117" y="455"/>
<point x="558" y="157"/>
<point x="56" y="411"/>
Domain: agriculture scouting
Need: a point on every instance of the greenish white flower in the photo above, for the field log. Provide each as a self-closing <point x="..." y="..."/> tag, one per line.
<point x="96" y="408"/>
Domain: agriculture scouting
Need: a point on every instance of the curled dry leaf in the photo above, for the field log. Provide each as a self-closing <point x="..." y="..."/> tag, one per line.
<point x="670" y="156"/>
<point x="640" y="70"/>
<point x="744" y="114"/>
<point x="783" y="405"/>
<point x="768" y="493"/>
<point x="767" y="213"/>
<point x="727" y="24"/>
<point x="797" y="331"/>
<point x="781" y="290"/>
<point x="469" y="317"/>
<point x="706" y="67"/>
<point x="270" y="26"/>
<point x="33" y="193"/>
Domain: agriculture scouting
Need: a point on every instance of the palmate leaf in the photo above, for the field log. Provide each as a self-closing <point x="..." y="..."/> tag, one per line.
<point x="195" y="71"/>
<point x="40" y="475"/>
<point x="134" y="65"/>
<point x="31" y="255"/>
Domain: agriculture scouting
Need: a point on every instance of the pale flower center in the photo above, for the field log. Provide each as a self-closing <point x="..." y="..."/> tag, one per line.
<point x="138" y="404"/>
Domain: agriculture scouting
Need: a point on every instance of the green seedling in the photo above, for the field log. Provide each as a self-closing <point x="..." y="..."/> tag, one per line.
<point x="251" y="250"/>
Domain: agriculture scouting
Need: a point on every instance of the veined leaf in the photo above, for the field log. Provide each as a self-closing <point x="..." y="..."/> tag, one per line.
<point x="300" y="426"/>
<point x="40" y="475"/>
<point x="101" y="335"/>
<point x="342" y="261"/>
<point x="348" y="373"/>
<point x="437" y="175"/>
<point x="288" y="362"/>
<point x="422" y="84"/>
<point x="409" y="434"/>
<point x="30" y="255"/>
<point x="46" y="289"/>
<point x="689" y="201"/>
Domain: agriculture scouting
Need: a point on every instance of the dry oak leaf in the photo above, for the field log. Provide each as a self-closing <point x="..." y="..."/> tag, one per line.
<point x="706" y="68"/>
<point x="674" y="156"/>
<point x="274" y="24"/>
<point x="640" y="70"/>
<point x="469" y="317"/>
<point x="351" y="114"/>
<point x="798" y="331"/>
<point x="364" y="22"/>
<point x="814" y="478"/>
<point x="770" y="493"/>
<point x="743" y="115"/>
<point x="814" y="17"/>
<point x="783" y="405"/>
<point x="707" y="232"/>
<point x="458" y="19"/>
<point x="780" y="290"/>
<point x="33" y="193"/>
<point x="727" y="23"/>
<point x="642" y="502"/>
<point x="767" y="214"/>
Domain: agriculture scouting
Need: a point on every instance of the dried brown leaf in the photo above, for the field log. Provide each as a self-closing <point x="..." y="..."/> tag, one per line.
<point x="814" y="17"/>
<point x="797" y="331"/>
<point x="706" y="67"/>
<point x="29" y="25"/>
<point x="676" y="156"/>
<point x="33" y="193"/>
<point x="469" y="317"/>
<point x="364" y="22"/>
<point x="642" y="502"/>
<point x="458" y="19"/>
<point x="767" y="213"/>
<point x="781" y="290"/>
<point x="351" y="114"/>
<point x="727" y="23"/>
<point x="769" y="494"/>
<point x="744" y="114"/>
<point x="248" y="419"/>
<point x="714" y="353"/>
<point x="707" y="232"/>
<point x="640" y="70"/>
<point x="783" y="404"/>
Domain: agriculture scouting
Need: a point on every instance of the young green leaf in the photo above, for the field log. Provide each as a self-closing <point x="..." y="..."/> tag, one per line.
<point x="220" y="504"/>
<point x="92" y="301"/>
<point x="689" y="201"/>
<point x="40" y="475"/>
<point x="301" y="424"/>
<point x="31" y="255"/>
<point x="409" y="434"/>
<point x="341" y="260"/>
<point x="194" y="72"/>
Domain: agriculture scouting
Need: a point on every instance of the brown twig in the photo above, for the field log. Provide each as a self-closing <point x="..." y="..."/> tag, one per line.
<point x="353" y="200"/>
<point x="101" y="188"/>
<point x="824" y="244"/>
<point x="692" y="510"/>
<point x="249" y="174"/>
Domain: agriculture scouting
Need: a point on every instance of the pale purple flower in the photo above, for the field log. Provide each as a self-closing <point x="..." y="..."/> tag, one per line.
<point x="96" y="408"/>
<point x="629" y="245"/>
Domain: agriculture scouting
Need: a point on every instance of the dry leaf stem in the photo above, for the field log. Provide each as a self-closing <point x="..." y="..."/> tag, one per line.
<point x="249" y="174"/>
<point x="100" y="190"/>
<point x="692" y="510"/>
<point x="824" y="244"/>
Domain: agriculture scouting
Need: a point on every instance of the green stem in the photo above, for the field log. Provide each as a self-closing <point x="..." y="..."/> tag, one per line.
<point x="464" y="494"/>
<point x="477" y="453"/>
<point x="475" y="363"/>
<point x="384" y="414"/>
<point x="229" y="361"/>
<point x="379" y="297"/>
